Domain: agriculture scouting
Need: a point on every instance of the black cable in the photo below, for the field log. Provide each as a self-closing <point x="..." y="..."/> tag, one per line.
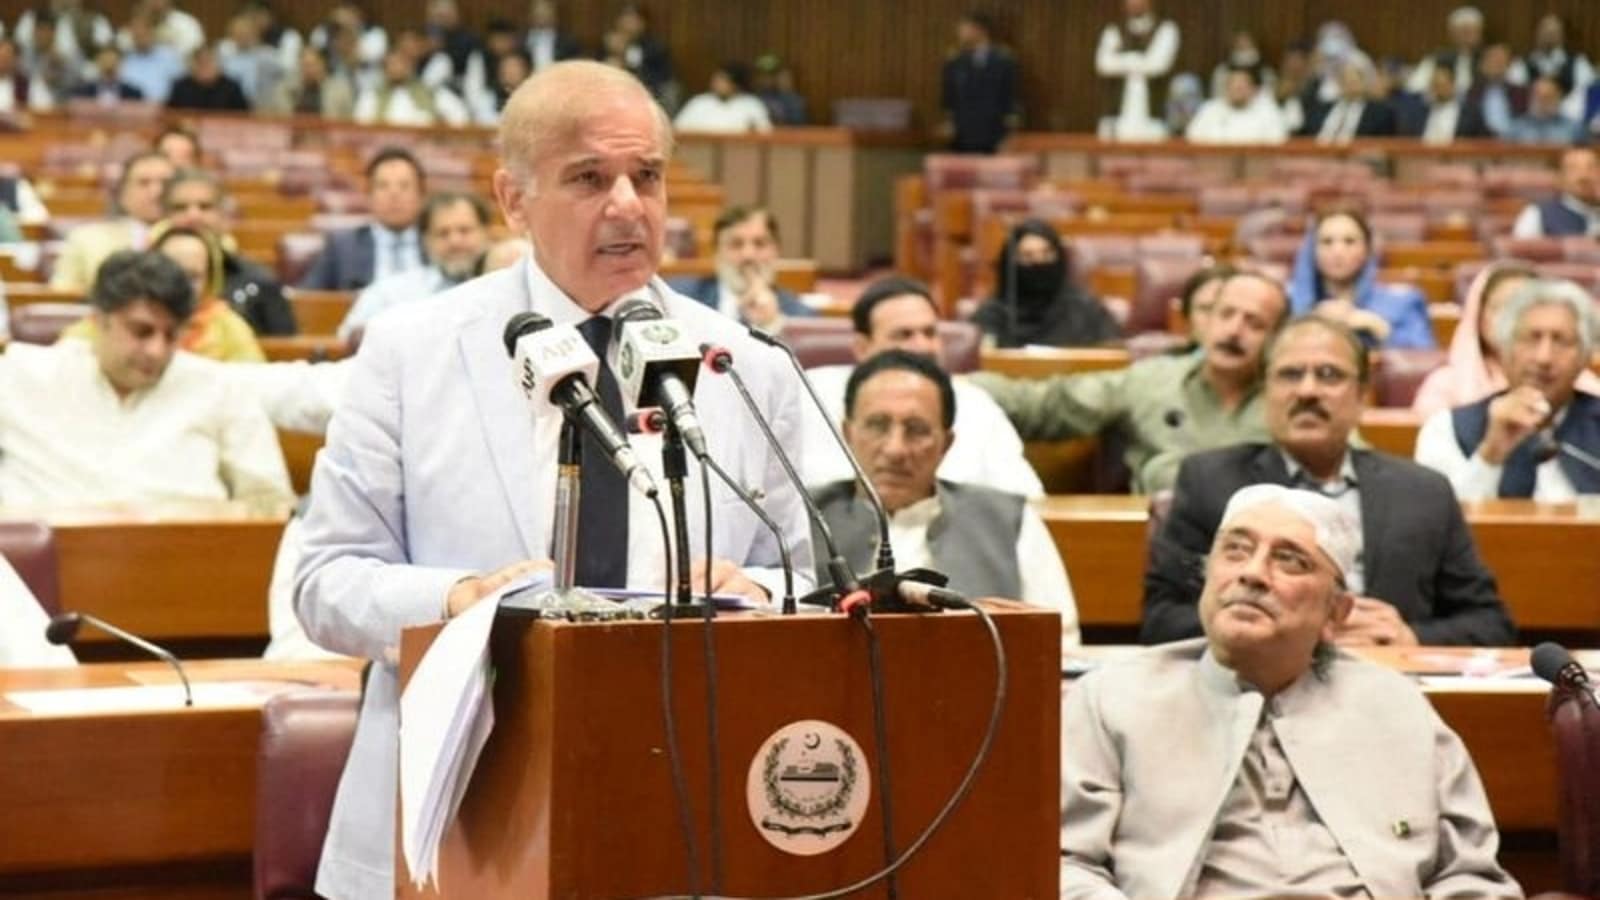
<point x="680" y="786"/>
<point x="713" y="757"/>
<point x="880" y="727"/>
<point x="982" y="754"/>
<point x="777" y="533"/>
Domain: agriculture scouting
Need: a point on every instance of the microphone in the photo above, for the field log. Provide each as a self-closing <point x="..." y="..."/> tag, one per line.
<point x="719" y="360"/>
<point x="1554" y="664"/>
<point x="657" y="366"/>
<point x="885" y="560"/>
<point x="1582" y="456"/>
<point x="917" y="592"/>
<point x="64" y="627"/>
<point x="554" y="367"/>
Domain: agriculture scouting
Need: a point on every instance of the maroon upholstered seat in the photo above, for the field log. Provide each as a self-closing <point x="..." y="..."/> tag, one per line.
<point x="1400" y="373"/>
<point x="1536" y="250"/>
<point x="305" y="738"/>
<point x="1159" y="279"/>
<point x="30" y="547"/>
<point x="42" y="323"/>
<point x="1575" y="726"/>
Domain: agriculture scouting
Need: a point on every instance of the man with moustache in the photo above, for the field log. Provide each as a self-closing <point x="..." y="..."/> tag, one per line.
<point x="1540" y="438"/>
<point x="1165" y="407"/>
<point x="455" y="232"/>
<point x="436" y="487"/>
<point x="745" y="286"/>
<point x="1415" y="578"/>
<point x="1303" y="772"/>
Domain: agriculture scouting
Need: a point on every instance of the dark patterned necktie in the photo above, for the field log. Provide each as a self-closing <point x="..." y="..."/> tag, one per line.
<point x="603" y="498"/>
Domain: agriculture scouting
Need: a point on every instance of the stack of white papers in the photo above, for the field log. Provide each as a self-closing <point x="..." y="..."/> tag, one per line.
<point x="446" y="714"/>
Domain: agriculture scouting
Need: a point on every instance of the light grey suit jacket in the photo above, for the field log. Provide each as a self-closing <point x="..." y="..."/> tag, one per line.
<point x="428" y="475"/>
<point x="1151" y="747"/>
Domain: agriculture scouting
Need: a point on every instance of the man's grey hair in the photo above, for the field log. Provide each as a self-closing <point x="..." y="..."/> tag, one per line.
<point x="1548" y="292"/>
<point x="1465" y="15"/>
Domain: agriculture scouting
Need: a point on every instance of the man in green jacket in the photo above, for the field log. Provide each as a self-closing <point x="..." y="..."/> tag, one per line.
<point x="1166" y="406"/>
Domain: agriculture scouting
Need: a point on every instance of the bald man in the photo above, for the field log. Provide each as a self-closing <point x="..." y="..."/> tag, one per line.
<point x="437" y="486"/>
<point x="1303" y="771"/>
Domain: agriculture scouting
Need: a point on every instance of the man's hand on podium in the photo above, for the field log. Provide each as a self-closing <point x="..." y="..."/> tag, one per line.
<point x="464" y="593"/>
<point x="726" y="578"/>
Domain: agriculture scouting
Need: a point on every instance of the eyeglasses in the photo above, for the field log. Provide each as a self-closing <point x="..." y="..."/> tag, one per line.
<point x="1326" y="375"/>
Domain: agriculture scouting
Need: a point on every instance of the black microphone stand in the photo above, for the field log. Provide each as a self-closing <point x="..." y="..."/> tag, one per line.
<point x="679" y="599"/>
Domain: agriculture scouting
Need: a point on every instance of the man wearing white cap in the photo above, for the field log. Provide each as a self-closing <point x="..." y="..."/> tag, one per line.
<point x="1304" y="771"/>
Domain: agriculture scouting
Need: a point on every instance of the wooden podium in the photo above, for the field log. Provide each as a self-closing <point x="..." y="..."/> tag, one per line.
<point x="573" y="795"/>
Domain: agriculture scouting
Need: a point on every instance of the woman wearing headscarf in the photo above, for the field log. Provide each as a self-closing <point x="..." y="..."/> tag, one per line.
<point x="1336" y="275"/>
<point x="1473" y="371"/>
<point x="1036" y="301"/>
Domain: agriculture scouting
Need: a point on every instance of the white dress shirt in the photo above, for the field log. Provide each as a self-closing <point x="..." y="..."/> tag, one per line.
<point x="66" y="438"/>
<point x="1044" y="576"/>
<point x="402" y="109"/>
<point x="738" y="114"/>
<point x="1442" y="119"/>
<point x="1475" y="478"/>
<point x="395" y="252"/>
<point x="986" y="451"/>
<point x="542" y="47"/>
<point x="1342" y="122"/>
<point x="22" y="624"/>
<point x="1219" y="122"/>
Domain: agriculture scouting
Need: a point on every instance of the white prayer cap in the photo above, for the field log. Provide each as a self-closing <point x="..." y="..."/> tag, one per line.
<point x="1337" y="534"/>
<point x="1464" y="15"/>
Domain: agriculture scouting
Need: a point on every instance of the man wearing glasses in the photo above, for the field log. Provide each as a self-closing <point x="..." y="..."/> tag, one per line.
<point x="899" y="409"/>
<point x="1417" y="578"/>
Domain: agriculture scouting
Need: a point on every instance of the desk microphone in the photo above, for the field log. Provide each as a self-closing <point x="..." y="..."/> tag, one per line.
<point x="657" y="365"/>
<point x="1554" y="664"/>
<point x="64" y="627"/>
<point x="1574" y="453"/>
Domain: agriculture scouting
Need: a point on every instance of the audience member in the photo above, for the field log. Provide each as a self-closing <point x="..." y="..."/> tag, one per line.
<point x="356" y="257"/>
<point x="1336" y="274"/>
<point x="1446" y="117"/>
<point x="249" y="60"/>
<point x="173" y="27"/>
<point x="458" y="43"/>
<point x="1473" y="370"/>
<point x="19" y="198"/>
<point x="1353" y="115"/>
<point x="1550" y="58"/>
<point x="1544" y="123"/>
<point x="1244" y="114"/>
<point x="180" y="146"/>
<point x="1574" y="211"/>
<point x="1036" y="300"/>
<point x="1335" y="45"/>
<point x="106" y="86"/>
<point x="1243" y="53"/>
<point x="899" y="417"/>
<point x="127" y="417"/>
<point x="1465" y="29"/>
<point x="1493" y="95"/>
<point x="1164" y="407"/>
<point x="345" y="59"/>
<point x="313" y="90"/>
<point x="284" y="40"/>
<point x="368" y="42"/>
<point x="206" y="88"/>
<point x="1408" y="111"/>
<point x="1416" y="576"/>
<point x="136" y="205"/>
<point x="1294" y="93"/>
<point x="547" y="42"/>
<point x="774" y="85"/>
<point x="645" y="55"/>
<point x="20" y="93"/>
<point x="1295" y="756"/>
<point x="401" y="98"/>
<point x="455" y="229"/>
<point x="22" y="641"/>
<point x="978" y="89"/>
<point x="197" y="199"/>
<point x="49" y="65"/>
<point x="895" y="313"/>
<point x="1133" y="59"/>
<point x="1198" y="298"/>
<point x="66" y="27"/>
<point x="510" y="70"/>
<point x="213" y="330"/>
<point x="1540" y="437"/>
<point x="728" y="108"/>
<point x="745" y="286"/>
<point x="147" y="64"/>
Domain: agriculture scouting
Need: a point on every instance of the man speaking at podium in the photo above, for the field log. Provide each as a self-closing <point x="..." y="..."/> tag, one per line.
<point x="437" y="486"/>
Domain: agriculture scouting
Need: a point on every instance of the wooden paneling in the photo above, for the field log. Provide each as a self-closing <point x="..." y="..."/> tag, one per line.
<point x="843" y="48"/>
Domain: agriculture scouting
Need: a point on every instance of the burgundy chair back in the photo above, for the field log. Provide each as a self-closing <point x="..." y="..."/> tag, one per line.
<point x="828" y="341"/>
<point x="1575" y="726"/>
<point x="30" y="547"/>
<point x="1399" y="374"/>
<point x="42" y="323"/>
<point x="305" y="738"/>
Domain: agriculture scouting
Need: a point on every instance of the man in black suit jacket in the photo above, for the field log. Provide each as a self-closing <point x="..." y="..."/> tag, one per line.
<point x="355" y="257"/>
<point x="1447" y="117"/>
<point x="745" y="286"/>
<point x="979" y="89"/>
<point x="1356" y="113"/>
<point x="1419" y="578"/>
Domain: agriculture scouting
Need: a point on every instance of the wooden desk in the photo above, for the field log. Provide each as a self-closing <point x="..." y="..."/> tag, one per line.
<point x="1542" y="556"/>
<point x="155" y="802"/>
<point x="1042" y="362"/>
<point x="1390" y="430"/>
<point x="185" y="575"/>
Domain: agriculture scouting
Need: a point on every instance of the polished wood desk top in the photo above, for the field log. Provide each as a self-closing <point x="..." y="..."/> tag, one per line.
<point x="151" y="786"/>
<point x="1541" y="554"/>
